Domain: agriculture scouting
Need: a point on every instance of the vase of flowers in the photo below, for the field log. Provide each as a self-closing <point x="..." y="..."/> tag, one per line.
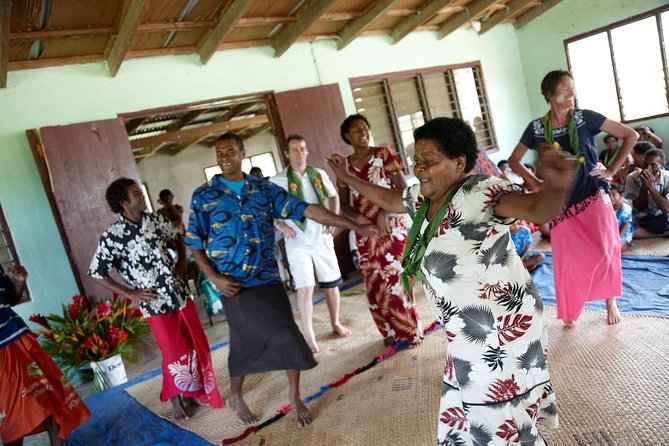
<point x="85" y="336"/>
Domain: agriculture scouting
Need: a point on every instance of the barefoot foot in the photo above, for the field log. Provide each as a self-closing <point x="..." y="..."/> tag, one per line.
<point x="613" y="315"/>
<point x="239" y="407"/>
<point x="389" y="341"/>
<point x="342" y="331"/>
<point x="303" y="415"/>
<point x="569" y="324"/>
<point x="179" y="409"/>
<point x="313" y="345"/>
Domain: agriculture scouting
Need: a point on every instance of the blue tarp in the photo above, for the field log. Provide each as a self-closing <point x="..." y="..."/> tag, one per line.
<point x="645" y="285"/>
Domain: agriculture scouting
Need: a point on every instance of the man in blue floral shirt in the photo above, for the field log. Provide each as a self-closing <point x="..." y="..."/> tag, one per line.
<point x="231" y="235"/>
<point x="137" y="247"/>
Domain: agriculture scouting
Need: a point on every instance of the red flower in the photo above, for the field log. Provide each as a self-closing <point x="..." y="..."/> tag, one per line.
<point x="293" y="186"/>
<point x="73" y="310"/>
<point x="317" y="181"/>
<point x="103" y="309"/>
<point x="39" y="319"/>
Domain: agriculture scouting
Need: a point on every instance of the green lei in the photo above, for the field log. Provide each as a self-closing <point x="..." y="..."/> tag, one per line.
<point x="416" y="247"/>
<point x="295" y="188"/>
<point x="571" y="130"/>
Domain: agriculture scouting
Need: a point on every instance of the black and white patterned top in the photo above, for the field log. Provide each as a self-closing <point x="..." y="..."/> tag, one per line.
<point x="139" y="252"/>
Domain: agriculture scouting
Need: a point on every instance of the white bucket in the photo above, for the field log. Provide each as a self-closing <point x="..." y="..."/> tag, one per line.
<point x="112" y="368"/>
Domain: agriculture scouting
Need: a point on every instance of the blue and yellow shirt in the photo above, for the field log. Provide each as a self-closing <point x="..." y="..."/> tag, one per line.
<point x="237" y="231"/>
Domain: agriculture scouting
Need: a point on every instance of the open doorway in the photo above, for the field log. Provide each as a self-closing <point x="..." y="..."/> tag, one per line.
<point x="173" y="146"/>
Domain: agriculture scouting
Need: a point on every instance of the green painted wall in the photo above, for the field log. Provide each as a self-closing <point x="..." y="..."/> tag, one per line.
<point x="77" y="93"/>
<point x="542" y="49"/>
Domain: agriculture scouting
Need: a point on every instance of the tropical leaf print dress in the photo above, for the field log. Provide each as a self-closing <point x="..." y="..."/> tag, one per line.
<point x="380" y="256"/>
<point x="496" y="386"/>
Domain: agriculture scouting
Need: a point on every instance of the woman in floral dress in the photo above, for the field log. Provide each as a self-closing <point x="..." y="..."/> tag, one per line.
<point x="496" y="386"/>
<point x="393" y="312"/>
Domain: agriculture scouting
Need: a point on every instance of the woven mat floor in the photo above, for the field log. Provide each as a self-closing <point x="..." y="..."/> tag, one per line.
<point x="654" y="247"/>
<point x="612" y="384"/>
<point x="265" y="393"/>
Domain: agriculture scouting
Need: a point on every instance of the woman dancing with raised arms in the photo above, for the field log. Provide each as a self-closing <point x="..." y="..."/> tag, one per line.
<point x="584" y="235"/>
<point x="496" y="385"/>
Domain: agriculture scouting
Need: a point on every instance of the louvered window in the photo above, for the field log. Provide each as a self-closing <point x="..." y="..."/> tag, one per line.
<point x="397" y="103"/>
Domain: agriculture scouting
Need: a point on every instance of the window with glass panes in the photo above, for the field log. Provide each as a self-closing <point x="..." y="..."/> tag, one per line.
<point x="8" y="257"/>
<point x="621" y="70"/>
<point x="397" y="103"/>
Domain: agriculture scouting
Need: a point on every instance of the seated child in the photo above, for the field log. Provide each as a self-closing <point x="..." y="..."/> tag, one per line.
<point x="623" y="214"/>
<point x="522" y="238"/>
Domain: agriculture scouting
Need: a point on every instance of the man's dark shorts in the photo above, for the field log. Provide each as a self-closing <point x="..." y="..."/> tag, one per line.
<point x="658" y="224"/>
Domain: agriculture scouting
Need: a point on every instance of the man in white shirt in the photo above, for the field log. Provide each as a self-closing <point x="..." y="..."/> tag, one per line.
<point x="309" y="245"/>
<point x="648" y="191"/>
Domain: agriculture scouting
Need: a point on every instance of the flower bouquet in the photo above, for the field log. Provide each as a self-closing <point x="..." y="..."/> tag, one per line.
<point x="83" y="335"/>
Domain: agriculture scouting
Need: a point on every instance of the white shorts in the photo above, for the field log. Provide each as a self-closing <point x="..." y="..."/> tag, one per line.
<point x="320" y="256"/>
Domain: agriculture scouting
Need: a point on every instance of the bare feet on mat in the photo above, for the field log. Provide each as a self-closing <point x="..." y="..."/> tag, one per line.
<point x="342" y="331"/>
<point x="389" y="341"/>
<point x="613" y="315"/>
<point x="311" y="342"/>
<point x="569" y="324"/>
<point x="303" y="415"/>
<point x="192" y="402"/>
<point x="416" y="343"/>
<point x="179" y="409"/>
<point x="238" y="405"/>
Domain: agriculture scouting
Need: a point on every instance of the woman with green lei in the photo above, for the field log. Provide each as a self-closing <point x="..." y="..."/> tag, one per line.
<point x="584" y="235"/>
<point x="496" y="386"/>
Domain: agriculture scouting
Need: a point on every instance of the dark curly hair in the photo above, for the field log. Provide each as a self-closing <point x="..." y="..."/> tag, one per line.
<point x="551" y="81"/>
<point x="452" y="136"/>
<point x="343" y="129"/>
<point x="239" y="142"/>
<point x="117" y="192"/>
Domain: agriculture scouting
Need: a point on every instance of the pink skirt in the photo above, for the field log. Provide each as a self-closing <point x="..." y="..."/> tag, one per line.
<point x="187" y="366"/>
<point x="586" y="255"/>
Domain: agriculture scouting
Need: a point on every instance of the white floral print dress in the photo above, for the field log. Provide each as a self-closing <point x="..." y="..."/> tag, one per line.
<point x="496" y="386"/>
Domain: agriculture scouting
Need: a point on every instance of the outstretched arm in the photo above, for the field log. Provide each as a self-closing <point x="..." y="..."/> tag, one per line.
<point x="557" y="171"/>
<point x="390" y="200"/>
<point x="325" y="217"/>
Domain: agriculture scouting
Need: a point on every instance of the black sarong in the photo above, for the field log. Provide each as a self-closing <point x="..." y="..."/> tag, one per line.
<point x="263" y="334"/>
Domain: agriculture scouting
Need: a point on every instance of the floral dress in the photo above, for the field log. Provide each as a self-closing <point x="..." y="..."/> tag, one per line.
<point x="496" y="385"/>
<point x="380" y="256"/>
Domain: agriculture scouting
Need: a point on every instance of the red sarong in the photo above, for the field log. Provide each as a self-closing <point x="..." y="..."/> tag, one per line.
<point x="187" y="366"/>
<point x="34" y="389"/>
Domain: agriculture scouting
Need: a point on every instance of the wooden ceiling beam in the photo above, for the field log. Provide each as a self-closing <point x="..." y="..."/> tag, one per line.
<point x="208" y="45"/>
<point x="410" y="23"/>
<point x="5" y="24"/>
<point x="154" y="141"/>
<point x="472" y="11"/>
<point x="237" y="110"/>
<point x="133" y="124"/>
<point x="534" y="13"/>
<point x="118" y="46"/>
<point x="357" y="26"/>
<point x="289" y="34"/>
<point x="512" y="9"/>
<point x="187" y="119"/>
<point x="183" y="145"/>
<point x="251" y="132"/>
